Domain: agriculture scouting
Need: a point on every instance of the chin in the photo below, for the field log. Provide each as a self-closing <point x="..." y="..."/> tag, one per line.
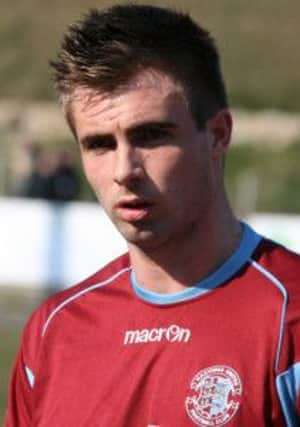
<point x="142" y="238"/>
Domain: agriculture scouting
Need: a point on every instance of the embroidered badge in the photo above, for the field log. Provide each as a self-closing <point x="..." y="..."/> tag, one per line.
<point x="214" y="397"/>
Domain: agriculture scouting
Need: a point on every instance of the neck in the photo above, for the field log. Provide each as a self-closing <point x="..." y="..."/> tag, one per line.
<point x="188" y="258"/>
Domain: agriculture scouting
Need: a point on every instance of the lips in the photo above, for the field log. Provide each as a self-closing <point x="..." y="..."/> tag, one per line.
<point x="132" y="210"/>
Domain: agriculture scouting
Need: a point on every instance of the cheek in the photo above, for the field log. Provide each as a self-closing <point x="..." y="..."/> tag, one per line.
<point x="179" y="171"/>
<point x="89" y="170"/>
<point x="164" y="165"/>
<point x="190" y="183"/>
<point x="95" y="174"/>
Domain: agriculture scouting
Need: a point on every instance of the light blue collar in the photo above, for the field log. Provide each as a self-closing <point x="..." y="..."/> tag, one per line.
<point x="249" y="241"/>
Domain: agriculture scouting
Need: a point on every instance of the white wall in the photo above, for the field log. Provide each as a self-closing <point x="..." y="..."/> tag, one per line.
<point x="282" y="228"/>
<point x="42" y="245"/>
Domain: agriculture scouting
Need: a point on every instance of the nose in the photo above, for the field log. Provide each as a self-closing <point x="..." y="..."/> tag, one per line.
<point x="128" y="165"/>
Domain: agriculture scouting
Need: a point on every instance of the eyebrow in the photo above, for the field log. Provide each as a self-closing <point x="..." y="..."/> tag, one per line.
<point x="159" y="125"/>
<point x="131" y="131"/>
<point x="96" y="137"/>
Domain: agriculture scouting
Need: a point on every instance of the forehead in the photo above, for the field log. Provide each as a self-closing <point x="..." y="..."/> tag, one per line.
<point x="149" y="93"/>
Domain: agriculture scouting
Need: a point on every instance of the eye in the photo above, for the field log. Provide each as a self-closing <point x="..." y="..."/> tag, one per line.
<point x="150" y="136"/>
<point x="98" y="143"/>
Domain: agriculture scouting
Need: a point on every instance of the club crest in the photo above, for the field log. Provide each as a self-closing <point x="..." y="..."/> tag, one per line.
<point x="214" y="397"/>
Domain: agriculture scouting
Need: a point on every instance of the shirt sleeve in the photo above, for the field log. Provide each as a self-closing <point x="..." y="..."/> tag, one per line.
<point x="288" y="388"/>
<point x="20" y="404"/>
<point x="288" y="373"/>
<point x="20" y="395"/>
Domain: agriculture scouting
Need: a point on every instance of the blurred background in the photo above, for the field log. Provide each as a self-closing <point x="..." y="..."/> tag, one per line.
<point x="53" y="234"/>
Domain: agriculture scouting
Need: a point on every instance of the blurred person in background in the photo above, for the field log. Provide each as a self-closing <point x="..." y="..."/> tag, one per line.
<point x="37" y="184"/>
<point x="199" y="323"/>
<point x="52" y="177"/>
<point x="65" y="184"/>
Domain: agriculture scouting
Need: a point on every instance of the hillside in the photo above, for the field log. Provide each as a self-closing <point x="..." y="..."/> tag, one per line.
<point x="259" y="42"/>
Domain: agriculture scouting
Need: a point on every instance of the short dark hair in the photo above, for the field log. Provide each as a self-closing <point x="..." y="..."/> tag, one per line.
<point x="108" y="47"/>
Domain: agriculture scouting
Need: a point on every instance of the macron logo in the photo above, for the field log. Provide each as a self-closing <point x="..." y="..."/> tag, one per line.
<point x="171" y="334"/>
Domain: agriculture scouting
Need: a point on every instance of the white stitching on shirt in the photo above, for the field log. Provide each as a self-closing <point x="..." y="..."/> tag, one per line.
<point x="281" y="287"/>
<point x="79" y="294"/>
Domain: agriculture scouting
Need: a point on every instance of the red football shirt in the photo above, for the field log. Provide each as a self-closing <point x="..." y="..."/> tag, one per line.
<point x="225" y="352"/>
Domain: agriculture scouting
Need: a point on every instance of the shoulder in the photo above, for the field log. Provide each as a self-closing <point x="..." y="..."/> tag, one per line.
<point x="43" y="315"/>
<point x="281" y="267"/>
<point x="278" y="264"/>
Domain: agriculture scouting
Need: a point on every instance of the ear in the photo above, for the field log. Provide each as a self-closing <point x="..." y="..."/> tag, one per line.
<point x="220" y="129"/>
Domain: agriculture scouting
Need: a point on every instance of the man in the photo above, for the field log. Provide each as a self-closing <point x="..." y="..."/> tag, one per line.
<point x="199" y="323"/>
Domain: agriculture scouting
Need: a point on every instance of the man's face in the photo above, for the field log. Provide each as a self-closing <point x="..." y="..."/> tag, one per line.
<point x="150" y="166"/>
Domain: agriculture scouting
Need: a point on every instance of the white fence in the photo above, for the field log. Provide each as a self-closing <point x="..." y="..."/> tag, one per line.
<point x="46" y="245"/>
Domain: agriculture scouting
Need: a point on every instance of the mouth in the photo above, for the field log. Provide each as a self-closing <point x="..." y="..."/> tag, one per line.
<point x="134" y="210"/>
